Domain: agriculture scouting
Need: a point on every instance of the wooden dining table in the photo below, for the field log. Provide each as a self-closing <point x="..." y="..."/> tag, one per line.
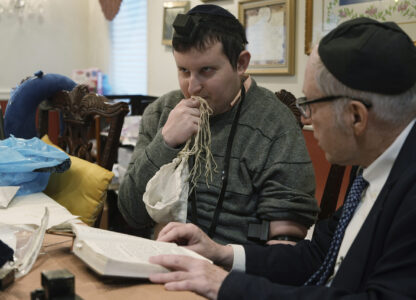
<point x="56" y="254"/>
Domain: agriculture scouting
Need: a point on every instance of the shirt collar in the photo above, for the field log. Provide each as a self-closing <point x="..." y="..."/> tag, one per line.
<point x="377" y="172"/>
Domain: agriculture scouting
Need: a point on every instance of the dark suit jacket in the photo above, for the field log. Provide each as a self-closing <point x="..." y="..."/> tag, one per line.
<point x="381" y="263"/>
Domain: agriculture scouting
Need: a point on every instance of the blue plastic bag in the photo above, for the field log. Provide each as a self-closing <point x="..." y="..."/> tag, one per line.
<point x="29" y="163"/>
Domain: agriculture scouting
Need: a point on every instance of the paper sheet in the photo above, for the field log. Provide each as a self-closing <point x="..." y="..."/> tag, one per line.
<point x="6" y="195"/>
<point x="29" y="209"/>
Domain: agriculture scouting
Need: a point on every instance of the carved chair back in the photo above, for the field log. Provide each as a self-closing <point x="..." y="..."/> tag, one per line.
<point x="79" y="109"/>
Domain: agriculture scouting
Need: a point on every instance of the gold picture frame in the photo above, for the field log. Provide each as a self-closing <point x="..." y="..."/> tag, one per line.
<point x="270" y="30"/>
<point x="170" y="10"/>
<point x="323" y="15"/>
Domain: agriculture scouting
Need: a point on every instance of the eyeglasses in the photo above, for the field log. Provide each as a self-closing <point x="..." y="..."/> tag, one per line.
<point x="303" y="104"/>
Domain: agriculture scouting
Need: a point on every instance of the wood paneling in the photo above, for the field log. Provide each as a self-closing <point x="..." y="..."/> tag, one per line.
<point x="3" y="104"/>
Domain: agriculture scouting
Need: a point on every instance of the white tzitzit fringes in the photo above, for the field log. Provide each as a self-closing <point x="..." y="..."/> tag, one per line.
<point x="201" y="146"/>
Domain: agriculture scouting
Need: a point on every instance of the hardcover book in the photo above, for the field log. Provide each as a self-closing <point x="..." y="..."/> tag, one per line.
<point x="115" y="254"/>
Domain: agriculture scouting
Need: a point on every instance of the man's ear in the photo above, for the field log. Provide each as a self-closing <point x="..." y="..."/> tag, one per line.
<point x="243" y="61"/>
<point x="359" y="117"/>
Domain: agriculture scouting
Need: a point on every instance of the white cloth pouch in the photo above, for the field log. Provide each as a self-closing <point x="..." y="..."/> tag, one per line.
<point x="166" y="196"/>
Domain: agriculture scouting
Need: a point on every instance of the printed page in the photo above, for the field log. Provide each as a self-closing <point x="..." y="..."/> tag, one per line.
<point x="29" y="209"/>
<point x="6" y="195"/>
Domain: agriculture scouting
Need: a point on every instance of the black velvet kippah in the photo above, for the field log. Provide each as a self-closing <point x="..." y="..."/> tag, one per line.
<point x="210" y="9"/>
<point x="367" y="55"/>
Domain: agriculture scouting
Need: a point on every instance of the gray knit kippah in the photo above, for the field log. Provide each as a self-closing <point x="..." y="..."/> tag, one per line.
<point x="367" y="55"/>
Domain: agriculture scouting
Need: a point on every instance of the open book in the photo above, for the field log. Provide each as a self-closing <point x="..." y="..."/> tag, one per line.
<point x="115" y="254"/>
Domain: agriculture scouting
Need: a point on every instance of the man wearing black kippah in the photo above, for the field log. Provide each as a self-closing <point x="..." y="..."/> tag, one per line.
<point x="262" y="188"/>
<point x="360" y="97"/>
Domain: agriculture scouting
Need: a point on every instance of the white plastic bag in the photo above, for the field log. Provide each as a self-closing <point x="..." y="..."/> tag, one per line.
<point x="26" y="243"/>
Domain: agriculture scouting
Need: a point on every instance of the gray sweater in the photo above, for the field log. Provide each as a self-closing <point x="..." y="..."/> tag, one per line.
<point x="270" y="178"/>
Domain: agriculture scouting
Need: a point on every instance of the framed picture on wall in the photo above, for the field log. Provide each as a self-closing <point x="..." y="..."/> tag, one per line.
<point x="270" y="30"/>
<point x="170" y="10"/>
<point x="324" y="15"/>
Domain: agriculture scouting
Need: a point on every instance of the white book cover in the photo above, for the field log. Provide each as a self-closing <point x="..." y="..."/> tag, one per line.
<point x="115" y="254"/>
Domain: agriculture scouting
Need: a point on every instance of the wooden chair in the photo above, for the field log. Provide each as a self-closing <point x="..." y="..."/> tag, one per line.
<point x="79" y="110"/>
<point x="137" y="102"/>
<point x="332" y="188"/>
<point x="290" y="100"/>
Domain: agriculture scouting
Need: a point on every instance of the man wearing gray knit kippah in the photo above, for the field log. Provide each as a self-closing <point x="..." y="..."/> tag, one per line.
<point x="262" y="175"/>
<point x="360" y="97"/>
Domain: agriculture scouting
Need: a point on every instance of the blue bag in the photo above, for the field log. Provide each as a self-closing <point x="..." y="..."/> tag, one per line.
<point x="29" y="163"/>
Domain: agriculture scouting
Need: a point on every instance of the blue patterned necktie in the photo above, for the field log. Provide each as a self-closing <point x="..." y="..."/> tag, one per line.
<point x="321" y="276"/>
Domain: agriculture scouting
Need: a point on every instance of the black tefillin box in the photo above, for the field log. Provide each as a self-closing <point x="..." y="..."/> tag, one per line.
<point x="57" y="285"/>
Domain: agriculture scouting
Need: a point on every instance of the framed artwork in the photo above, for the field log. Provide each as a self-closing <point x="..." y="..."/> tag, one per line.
<point x="270" y="30"/>
<point x="170" y="10"/>
<point x="324" y="15"/>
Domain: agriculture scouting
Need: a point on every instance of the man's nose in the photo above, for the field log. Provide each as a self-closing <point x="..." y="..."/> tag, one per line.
<point x="194" y="85"/>
<point x="305" y="121"/>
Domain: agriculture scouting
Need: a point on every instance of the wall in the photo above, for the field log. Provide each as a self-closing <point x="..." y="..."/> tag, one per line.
<point x="99" y="44"/>
<point x="68" y="35"/>
<point x="161" y="66"/>
<point x="74" y="34"/>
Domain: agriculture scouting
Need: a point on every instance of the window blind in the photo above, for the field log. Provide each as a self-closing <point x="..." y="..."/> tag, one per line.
<point x="128" y="33"/>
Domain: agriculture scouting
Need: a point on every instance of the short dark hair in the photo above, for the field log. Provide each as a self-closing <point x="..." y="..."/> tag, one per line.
<point x="210" y="29"/>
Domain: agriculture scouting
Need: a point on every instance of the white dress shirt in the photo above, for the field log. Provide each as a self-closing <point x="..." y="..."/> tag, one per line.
<point x="376" y="174"/>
